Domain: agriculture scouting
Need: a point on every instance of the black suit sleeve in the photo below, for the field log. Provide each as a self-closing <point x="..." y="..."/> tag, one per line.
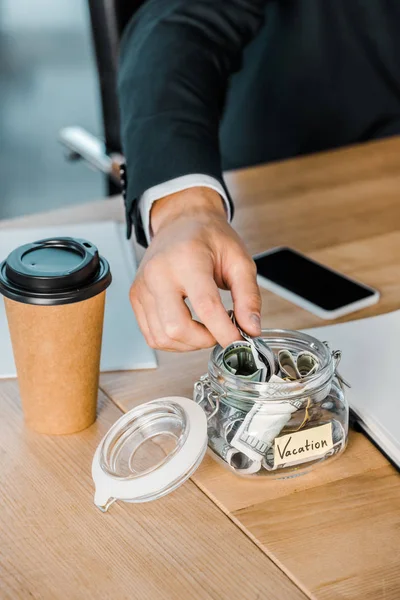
<point x="175" y="61"/>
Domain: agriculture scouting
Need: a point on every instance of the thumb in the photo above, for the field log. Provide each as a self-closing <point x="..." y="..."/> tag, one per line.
<point x="242" y="282"/>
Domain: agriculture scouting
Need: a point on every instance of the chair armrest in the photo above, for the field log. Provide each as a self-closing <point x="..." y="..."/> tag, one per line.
<point x="80" y="144"/>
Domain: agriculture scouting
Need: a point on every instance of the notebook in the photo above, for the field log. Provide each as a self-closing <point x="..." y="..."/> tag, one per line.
<point x="124" y="347"/>
<point x="371" y="364"/>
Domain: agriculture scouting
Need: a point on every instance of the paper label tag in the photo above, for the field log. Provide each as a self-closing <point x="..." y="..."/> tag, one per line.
<point x="302" y="446"/>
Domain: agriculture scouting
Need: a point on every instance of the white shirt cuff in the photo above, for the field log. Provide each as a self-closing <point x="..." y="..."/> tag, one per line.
<point x="173" y="186"/>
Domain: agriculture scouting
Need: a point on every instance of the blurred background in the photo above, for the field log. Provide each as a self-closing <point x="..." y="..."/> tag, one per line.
<point x="48" y="81"/>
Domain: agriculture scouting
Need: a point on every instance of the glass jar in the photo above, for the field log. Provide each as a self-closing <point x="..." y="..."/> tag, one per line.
<point x="276" y="429"/>
<point x="280" y="428"/>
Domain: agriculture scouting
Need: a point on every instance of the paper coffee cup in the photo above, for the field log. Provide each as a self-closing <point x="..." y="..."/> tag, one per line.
<point x="54" y="293"/>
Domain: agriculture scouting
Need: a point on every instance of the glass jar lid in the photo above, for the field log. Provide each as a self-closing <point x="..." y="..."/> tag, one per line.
<point x="150" y="451"/>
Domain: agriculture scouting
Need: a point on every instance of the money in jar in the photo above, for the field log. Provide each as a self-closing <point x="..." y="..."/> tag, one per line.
<point x="276" y="417"/>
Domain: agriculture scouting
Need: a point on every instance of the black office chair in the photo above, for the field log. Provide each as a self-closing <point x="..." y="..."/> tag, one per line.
<point x="108" y="19"/>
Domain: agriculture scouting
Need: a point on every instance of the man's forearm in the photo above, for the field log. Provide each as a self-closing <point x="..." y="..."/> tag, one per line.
<point x="176" y="59"/>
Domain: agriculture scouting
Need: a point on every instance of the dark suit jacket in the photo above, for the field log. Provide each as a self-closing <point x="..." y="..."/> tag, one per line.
<point x="208" y="85"/>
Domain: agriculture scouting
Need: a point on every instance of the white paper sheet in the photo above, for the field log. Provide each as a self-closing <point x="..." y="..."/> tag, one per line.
<point x="124" y="347"/>
<point x="371" y="364"/>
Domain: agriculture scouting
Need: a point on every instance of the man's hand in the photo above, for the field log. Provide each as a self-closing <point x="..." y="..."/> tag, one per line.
<point x="193" y="253"/>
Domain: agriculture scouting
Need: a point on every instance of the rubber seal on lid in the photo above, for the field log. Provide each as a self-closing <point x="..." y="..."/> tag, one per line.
<point x="149" y="451"/>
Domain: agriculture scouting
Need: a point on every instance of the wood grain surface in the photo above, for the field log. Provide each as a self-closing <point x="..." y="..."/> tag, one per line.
<point x="56" y="545"/>
<point x="335" y="531"/>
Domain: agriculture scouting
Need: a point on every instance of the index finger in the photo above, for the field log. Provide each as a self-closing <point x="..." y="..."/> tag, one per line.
<point x="204" y="296"/>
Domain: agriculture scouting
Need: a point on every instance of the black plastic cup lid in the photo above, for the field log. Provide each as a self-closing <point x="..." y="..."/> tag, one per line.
<point x="54" y="271"/>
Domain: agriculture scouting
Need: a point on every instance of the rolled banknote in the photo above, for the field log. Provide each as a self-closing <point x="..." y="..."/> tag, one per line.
<point x="307" y="364"/>
<point x="240" y="359"/>
<point x="267" y="355"/>
<point x="262" y="425"/>
<point x="297" y="367"/>
<point x="288" y="365"/>
<point x="238" y="461"/>
<point x="261" y="351"/>
<point x="268" y="460"/>
<point x="229" y="420"/>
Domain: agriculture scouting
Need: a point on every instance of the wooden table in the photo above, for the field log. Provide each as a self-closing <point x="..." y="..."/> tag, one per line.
<point x="332" y="534"/>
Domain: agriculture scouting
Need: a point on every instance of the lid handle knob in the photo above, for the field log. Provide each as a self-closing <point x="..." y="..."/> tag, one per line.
<point x="103" y="501"/>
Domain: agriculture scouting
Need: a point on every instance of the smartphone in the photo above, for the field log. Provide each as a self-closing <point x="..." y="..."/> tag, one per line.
<point x="305" y="282"/>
